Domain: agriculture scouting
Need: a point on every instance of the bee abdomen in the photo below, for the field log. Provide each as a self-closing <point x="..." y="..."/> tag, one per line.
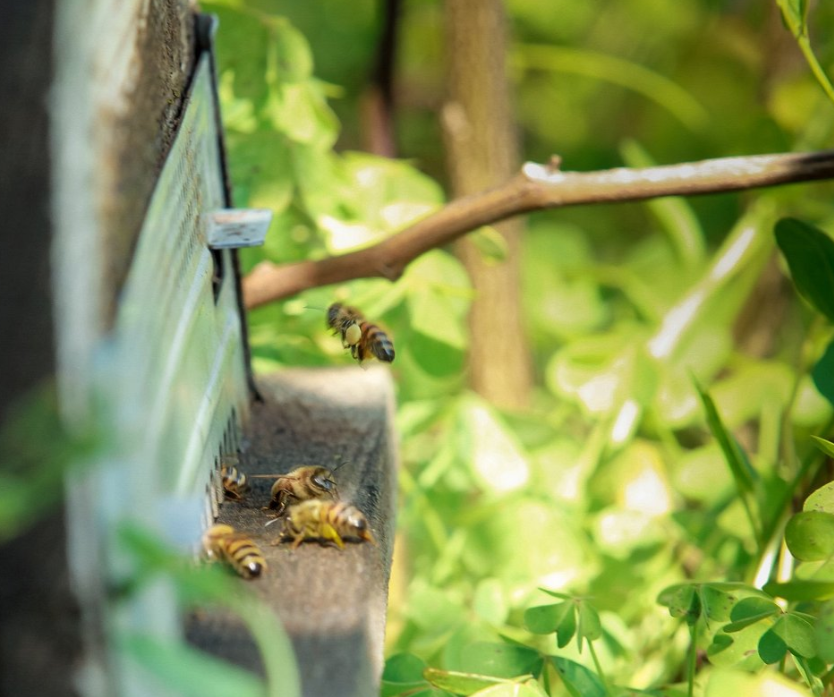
<point x="245" y="557"/>
<point x="234" y="481"/>
<point x="375" y="341"/>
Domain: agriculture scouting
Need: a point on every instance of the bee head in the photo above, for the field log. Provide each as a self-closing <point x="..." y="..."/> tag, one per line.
<point x="333" y="313"/>
<point x="323" y="481"/>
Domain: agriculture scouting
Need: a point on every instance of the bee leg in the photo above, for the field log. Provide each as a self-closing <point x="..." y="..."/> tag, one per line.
<point x="233" y="495"/>
<point x="297" y="541"/>
<point x="328" y="532"/>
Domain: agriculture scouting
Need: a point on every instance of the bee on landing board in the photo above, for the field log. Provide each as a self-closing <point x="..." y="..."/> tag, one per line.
<point x="325" y="521"/>
<point x="373" y="343"/>
<point x="301" y="484"/>
<point x="233" y="480"/>
<point x="345" y="320"/>
<point x="236" y="549"/>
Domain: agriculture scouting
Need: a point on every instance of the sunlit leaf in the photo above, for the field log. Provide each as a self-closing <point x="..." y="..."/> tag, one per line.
<point x="822" y="374"/>
<point x="749" y="611"/>
<point x="801" y="590"/>
<point x="788" y="633"/>
<point x="293" y="57"/>
<point x="739" y="649"/>
<point x="500" y="660"/>
<point x="490" y="243"/>
<point x="795" y="13"/>
<point x="718" y="599"/>
<point x="824" y="632"/>
<point x="511" y="690"/>
<point x="744" y="475"/>
<point x="826" y="499"/>
<point x="498" y="463"/>
<point x="556" y="594"/>
<point x="489" y="601"/>
<point x="810" y="535"/>
<point x="545" y="619"/>
<point x="810" y="256"/>
<point x="578" y="680"/>
<point x="459" y="683"/>
<point x="683" y="602"/>
<point x="589" y="625"/>
<point x="723" y="682"/>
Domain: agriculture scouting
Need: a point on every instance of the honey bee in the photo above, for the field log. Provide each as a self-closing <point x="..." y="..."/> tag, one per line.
<point x="301" y="484"/>
<point x="235" y="549"/>
<point x="325" y="521"/>
<point x="233" y="480"/>
<point x="345" y="320"/>
<point x="373" y="343"/>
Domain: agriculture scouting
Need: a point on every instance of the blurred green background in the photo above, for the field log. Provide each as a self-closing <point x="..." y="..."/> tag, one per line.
<point x="612" y="484"/>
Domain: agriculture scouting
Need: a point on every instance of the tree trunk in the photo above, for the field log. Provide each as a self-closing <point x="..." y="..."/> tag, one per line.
<point x="482" y="151"/>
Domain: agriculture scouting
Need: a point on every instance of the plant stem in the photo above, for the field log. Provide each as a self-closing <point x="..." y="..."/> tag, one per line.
<point x="691" y="662"/>
<point x="600" y="672"/>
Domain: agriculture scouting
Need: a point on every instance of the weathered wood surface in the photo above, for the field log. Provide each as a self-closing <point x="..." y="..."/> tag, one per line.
<point x="332" y="602"/>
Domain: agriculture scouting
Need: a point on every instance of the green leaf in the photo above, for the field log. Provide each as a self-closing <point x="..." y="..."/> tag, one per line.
<point x="555" y="594"/>
<point x="795" y="13"/>
<point x="589" y="626"/>
<point x="788" y="633"/>
<point x="489" y="602"/>
<point x="810" y="535"/>
<point x="810" y="256"/>
<point x="511" y="690"/>
<point x="718" y="599"/>
<point x="828" y="496"/>
<point x="824" y="632"/>
<point x="500" y="660"/>
<point x="544" y="619"/>
<point x="490" y="243"/>
<point x="801" y="590"/>
<point x="293" y="58"/>
<point x="749" y="611"/>
<point x="772" y="647"/>
<point x="460" y="683"/>
<point x="188" y="671"/>
<point x="683" y="602"/>
<point x="578" y="680"/>
<point x="404" y="668"/>
<point x="567" y="627"/>
<point x="823" y="376"/>
<point x="745" y="476"/>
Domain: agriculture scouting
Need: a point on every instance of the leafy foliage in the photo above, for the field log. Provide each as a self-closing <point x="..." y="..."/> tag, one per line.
<point x="680" y="383"/>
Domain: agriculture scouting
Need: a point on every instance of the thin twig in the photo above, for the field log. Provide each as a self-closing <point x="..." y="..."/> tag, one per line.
<point x="536" y="187"/>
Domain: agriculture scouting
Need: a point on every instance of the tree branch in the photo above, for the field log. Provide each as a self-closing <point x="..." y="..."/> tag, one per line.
<point x="536" y="187"/>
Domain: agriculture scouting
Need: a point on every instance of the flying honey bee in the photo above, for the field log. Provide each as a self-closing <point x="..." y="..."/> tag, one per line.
<point x="233" y="480"/>
<point x="236" y="549"/>
<point x="301" y="484"/>
<point x="345" y="320"/>
<point x="325" y="521"/>
<point x="373" y="343"/>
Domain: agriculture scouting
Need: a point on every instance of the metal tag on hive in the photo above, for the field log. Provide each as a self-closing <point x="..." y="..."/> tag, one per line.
<point x="231" y="228"/>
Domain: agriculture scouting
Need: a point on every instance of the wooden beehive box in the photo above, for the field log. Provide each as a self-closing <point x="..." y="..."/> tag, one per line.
<point x="152" y="346"/>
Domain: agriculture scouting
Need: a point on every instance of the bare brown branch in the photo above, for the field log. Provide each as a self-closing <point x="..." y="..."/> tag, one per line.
<point x="536" y="187"/>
